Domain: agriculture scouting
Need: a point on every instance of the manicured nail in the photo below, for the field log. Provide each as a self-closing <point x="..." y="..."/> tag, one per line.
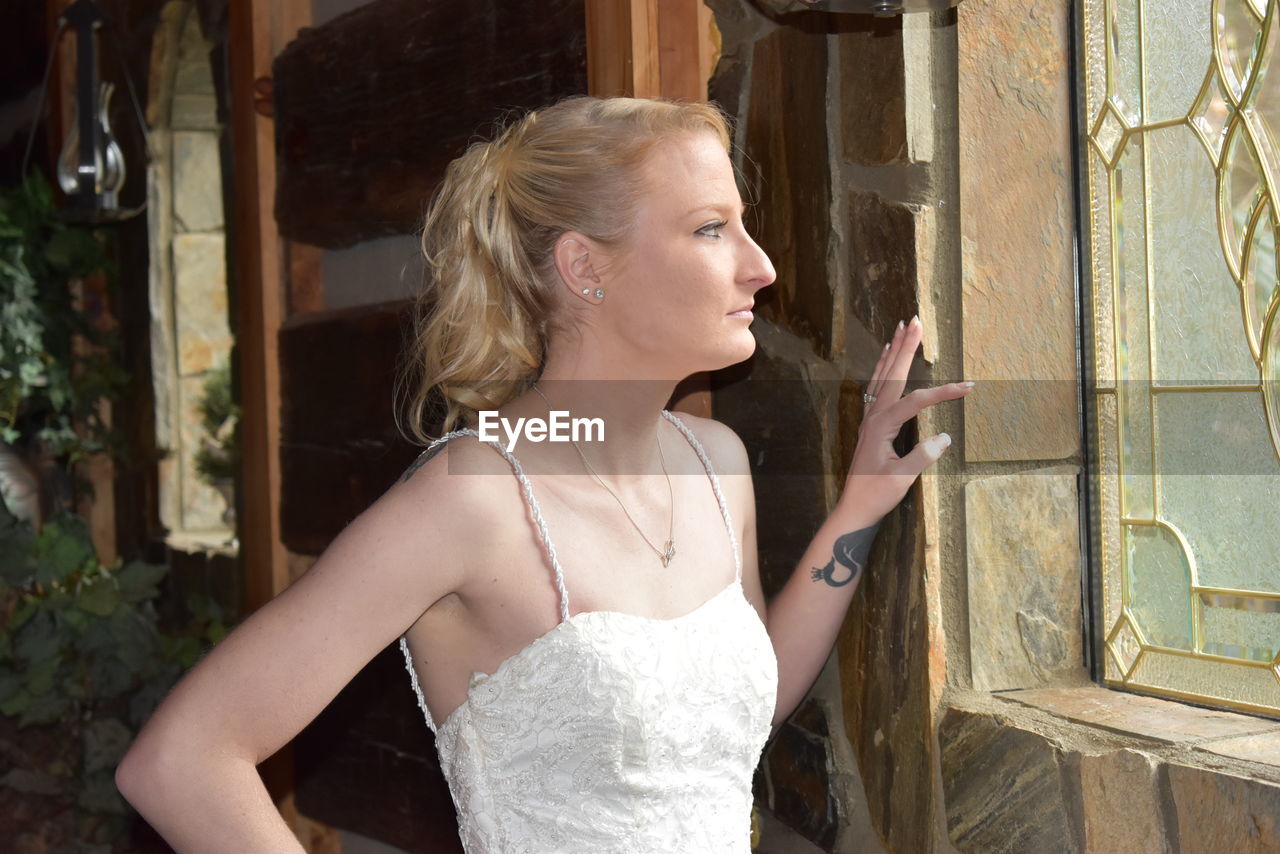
<point x="899" y="325"/>
<point x="968" y="384"/>
<point x="915" y="320"/>
<point x="887" y="343"/>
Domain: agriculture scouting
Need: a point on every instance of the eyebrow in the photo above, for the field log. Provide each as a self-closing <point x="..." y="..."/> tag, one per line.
<point x="716" y="208"/>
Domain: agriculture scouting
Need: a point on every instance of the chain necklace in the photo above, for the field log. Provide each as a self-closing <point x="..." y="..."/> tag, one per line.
<point x="664" y="554"/>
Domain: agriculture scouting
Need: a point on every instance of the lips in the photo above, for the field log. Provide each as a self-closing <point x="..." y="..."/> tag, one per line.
<point x="746" y="309"/>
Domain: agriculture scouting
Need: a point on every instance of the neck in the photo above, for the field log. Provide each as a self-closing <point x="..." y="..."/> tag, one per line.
<point x="629" y="406"/>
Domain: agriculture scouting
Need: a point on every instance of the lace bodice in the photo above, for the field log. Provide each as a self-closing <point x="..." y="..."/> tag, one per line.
<point x="615" y="732"/>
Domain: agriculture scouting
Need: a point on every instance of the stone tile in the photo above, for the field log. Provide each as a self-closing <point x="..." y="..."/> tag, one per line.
<point x="1121" y="806"/>
<point x="1003" y="786"/>
<point x="885" y="656"/>
<point x="873" y="114"/>
<point x="1263" y="747"/>
<point x="918" y="75"/>
<point x="1223" y="812"/>
<point x="1163" y="720"/>
<point x="890" y="255"/>
<point x="1017" y="196"/>
<point x="779" y="412"/>
<point x="801" y="771"/>
<point x="1024" y="580"/>
<point x="788" y="173"/>
<point x="202" y="505"/>
<point x="200" y="301"/>
<point x="197" y="181"/>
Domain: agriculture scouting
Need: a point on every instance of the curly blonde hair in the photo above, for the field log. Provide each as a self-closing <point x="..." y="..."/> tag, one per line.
<point x="481" y="324"/>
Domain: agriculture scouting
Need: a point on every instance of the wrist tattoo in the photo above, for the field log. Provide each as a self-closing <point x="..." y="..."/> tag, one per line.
<point x="850" y="552"/>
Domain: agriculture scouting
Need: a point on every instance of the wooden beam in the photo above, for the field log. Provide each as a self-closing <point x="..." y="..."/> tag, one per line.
<point x="372" y="106"/>
<point x="650" y="48"/>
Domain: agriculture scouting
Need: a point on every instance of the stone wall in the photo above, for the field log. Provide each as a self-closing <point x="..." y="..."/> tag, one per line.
<point x="190" y="332"/>
<point x="848" y="169"/>
<point x="926" y="163"/>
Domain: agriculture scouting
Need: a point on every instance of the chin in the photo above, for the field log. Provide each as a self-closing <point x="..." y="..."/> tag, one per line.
<point x="738" y="349"/>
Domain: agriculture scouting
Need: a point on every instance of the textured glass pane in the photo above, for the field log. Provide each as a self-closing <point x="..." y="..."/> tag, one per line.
<point x="1103" y="295"/>
<point x="1241" y="188"/>
<point x="1260" y="272"/>
<point x="1159" y="582"/>
<point x="1095" y="65"/>
<point x="1132" y="354"/>
<point x="1109" y="495"/>
<point x="1196" y="301"/>
<point x="1241" y="627"/>
<point x="1176" y="34"/>
<point x="1211" y="115"/>
<point x="1126" y="59"/>
<point x="1125" y="646"/>
<point x="1220" y="485"/>
<point x="1271" y="370"/>
<point x="1266" y="92"/>
<point x="1237" y="32"/>
<point x="1191" y="676"/>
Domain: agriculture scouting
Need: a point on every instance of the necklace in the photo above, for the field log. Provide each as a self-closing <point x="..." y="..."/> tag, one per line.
<point x="668" y="551"/>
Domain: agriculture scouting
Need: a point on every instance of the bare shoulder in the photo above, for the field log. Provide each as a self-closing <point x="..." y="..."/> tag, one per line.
<point x="452" y="497"/>
<point x="723" y="446"/>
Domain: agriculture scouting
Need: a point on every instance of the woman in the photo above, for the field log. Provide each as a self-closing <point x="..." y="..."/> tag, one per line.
<point x="588" y="638"/>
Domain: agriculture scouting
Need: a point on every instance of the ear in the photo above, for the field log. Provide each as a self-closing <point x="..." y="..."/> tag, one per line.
<point x="576" y="256"/>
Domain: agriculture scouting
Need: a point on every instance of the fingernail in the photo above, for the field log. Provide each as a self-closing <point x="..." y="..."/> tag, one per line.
<point x="915" y="320"/>
<point x="967" y="384"/>
<point x="945" y="438"/>
<point x="899" y="325"/>
<point x="886" y="344"/>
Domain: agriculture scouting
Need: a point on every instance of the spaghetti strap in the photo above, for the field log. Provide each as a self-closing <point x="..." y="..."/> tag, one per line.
<point x="715" y="488"/>
<point x="536" y="511"/>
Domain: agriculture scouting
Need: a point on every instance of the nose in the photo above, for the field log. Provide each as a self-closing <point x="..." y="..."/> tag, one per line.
<point x="756" y="269"/>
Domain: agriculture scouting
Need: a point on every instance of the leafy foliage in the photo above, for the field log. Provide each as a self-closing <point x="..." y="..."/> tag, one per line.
<point x="55" y="364"/>
<point x="219" y="454"/>
<point x="82" y="653"/>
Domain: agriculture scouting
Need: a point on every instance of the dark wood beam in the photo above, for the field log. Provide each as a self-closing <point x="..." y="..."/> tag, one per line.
<point x="372" y="106"/>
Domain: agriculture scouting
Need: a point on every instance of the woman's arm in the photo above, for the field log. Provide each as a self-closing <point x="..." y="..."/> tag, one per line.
<point x="804" y="617"/>
<point x="191" y="772"/>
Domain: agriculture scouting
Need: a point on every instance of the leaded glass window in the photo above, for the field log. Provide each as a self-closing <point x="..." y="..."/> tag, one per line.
<point x="1181" y="106"/>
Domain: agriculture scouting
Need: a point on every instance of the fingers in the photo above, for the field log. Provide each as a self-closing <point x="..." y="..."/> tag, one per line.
<point x="901" y="354"/>
<point x="911" y="405"/>
<point x="877" y="375"/>
<point x="924" y="454"/>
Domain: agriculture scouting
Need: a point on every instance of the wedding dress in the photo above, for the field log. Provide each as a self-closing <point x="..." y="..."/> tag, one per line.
<point x="614" y="732"/>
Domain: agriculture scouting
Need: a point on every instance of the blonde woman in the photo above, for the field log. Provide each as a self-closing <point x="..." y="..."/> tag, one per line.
<point x="582" y="621"/>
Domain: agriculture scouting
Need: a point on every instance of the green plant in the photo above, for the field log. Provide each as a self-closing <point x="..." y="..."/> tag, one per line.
<point x="83" y="662"/>
<point x="57" y="362"/>
<point x="218" y="457"/>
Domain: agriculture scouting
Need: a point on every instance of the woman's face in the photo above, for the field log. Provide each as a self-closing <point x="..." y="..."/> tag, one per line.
<point x="679" y="292"/>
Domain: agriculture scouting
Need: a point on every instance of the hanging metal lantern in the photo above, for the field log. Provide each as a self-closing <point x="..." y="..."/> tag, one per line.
<point x="91" y="168"/>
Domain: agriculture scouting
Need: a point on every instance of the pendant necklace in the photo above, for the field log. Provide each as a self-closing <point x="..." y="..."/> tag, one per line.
<point x="664" y="554"/>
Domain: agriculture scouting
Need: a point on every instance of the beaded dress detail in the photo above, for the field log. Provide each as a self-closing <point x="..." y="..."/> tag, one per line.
<point x="614" y="732"/>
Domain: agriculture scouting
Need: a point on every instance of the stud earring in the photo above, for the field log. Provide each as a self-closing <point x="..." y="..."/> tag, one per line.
<point x="586" y="291"/>
<point x="599" y="293"/>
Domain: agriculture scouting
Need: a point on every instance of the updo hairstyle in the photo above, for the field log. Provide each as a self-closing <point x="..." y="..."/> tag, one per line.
<point x="481" y="323"/>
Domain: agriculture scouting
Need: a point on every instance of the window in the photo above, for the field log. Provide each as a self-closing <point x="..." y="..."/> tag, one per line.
<point x="1181" y="105"/>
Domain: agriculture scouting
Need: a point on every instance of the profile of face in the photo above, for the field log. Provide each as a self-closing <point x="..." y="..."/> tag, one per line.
<point x="679" y="292"/>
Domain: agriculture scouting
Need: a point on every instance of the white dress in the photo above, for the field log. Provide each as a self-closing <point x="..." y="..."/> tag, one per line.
<point x="614" y="732"/>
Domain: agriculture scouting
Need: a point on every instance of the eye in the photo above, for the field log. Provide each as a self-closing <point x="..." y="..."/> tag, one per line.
<point x="712" y="229"/>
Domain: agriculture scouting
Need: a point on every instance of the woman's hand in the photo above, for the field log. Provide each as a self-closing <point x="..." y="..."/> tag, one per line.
<point x="878" y="477"/>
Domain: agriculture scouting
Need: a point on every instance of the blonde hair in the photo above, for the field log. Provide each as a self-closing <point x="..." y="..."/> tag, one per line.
<point x="481" y="324"/>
